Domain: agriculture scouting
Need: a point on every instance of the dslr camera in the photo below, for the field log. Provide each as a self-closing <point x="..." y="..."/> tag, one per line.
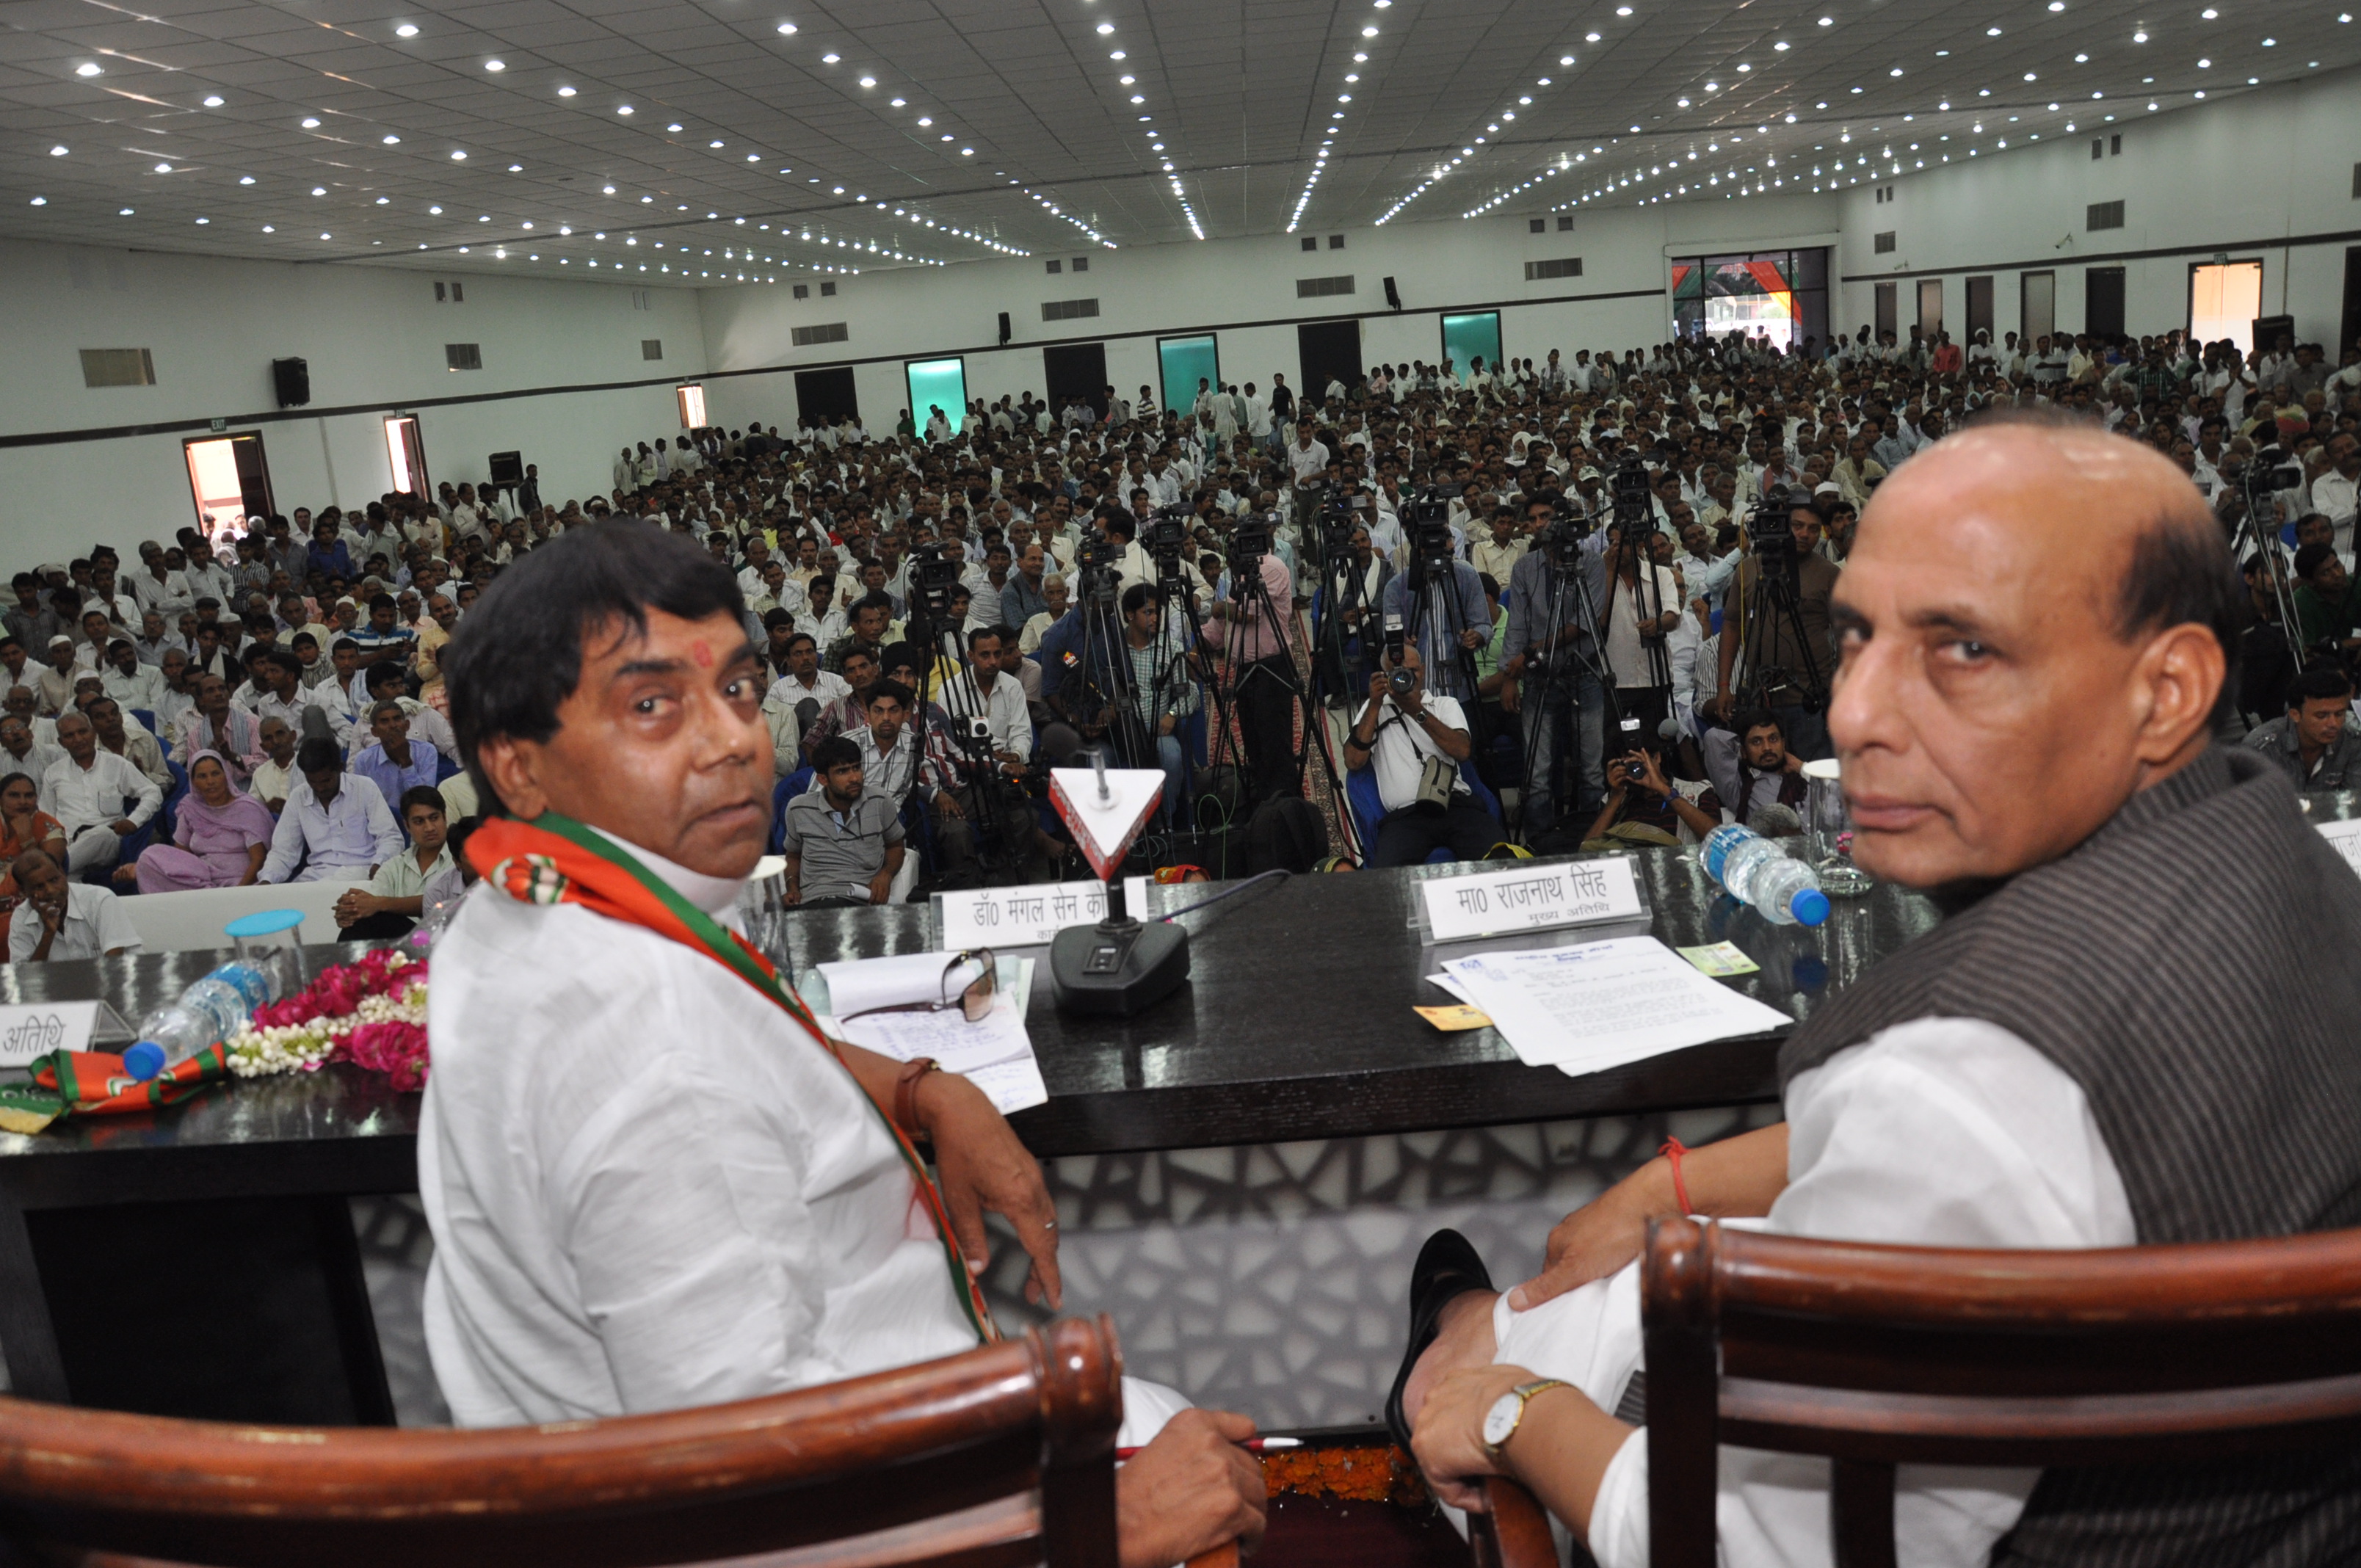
<point x="1400" y="678"/>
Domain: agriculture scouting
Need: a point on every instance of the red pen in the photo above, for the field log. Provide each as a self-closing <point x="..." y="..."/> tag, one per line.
<point x="1252" y="1445"/>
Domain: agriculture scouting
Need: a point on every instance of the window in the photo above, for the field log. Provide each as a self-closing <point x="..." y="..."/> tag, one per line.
<point x="2356" y="182"/>
<point x="2105" y="216"/>
<point x="441" y="293"/>
<point x="937" y="384"/>
<point x="1537" y="225"/>
<point x="2115" y="144"/>
<point x="652" y="348"/>
<point x="1320" y="288"/>
<point x="1882" y="243"/>
<point x="2098" y="147"/>
<point x="1067" y="310"/>
<point x="119" y="367"/>
<point x="1565" y="266"/>
<point x="227" y="478"/>
<point x="643" y="298"/>
<point x="449" y="292"/>
<point x="1182" y="362"/>
<point x="1054" y="264"/>
<point x="691" y="399"/>
<point x="463" y="356"/>
<point x="826" y="290"/>
<point x="1335" y="242"/>
<point x="1466" y="338"/>
<point x="405" y="455"/>
<point x="1081" y="264"/>
<point x="803" y="290"/>
<point x="2225" y="298"/>
<point x="834" y="331"/>
<point x="1566" y="223"/>
<point x="1311" y="241"/>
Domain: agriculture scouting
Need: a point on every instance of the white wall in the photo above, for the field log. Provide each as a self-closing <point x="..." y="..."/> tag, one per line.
<point x="1224" y="286"/>
<point x="373" y="337"/>
<point x="2265" y="166"/>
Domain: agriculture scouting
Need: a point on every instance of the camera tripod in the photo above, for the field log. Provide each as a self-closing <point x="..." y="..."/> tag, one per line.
<point x="1570" y="651"/>
<point x="1772" y="603"/>
<point x="1235" y="673"/>
<point x="931" y="631"/>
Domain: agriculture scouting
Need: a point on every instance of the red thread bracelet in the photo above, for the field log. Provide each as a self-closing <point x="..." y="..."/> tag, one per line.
<point x="1672" y="1151"/>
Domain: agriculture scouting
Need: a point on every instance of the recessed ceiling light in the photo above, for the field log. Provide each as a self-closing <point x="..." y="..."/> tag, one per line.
<point x="213" y="101"/>
<point x="1895" y="71"/>
<point x="36" y="201"/>
<point x="458" y="157"/>
<point x="407" y="30"/>
<point x="926" y="119"/>
<point x="59" y="151"/>
<point x="1566" y="59"/>
<point x="714" y="143"/>
<point x="566" y="92"/>
<point x="869" y="81"/>
<point x="87" y="67"/>
<point x="319" y="190"/>
<point x="488" y="65"/>
<point x="246" y="179"/>
<point x="1590" y="37"/>
<point x="786" y="28"/>
<point x="1128" y="81"/>
<point x="966" y="152"/>
<point x="2139" y="37"/>
<point x="829" y="59"/>
<point x="1104" y="28"/>
<point x="311" y="125"/>
<point x="1138" y="99"/>
<point x="385" y="200"/>
<point x="672" y="128"/>
<point x="163" y="169"/>
<point x="901" y="102"/>
<point x="122" y="212"/>
<point x="393" y="141"/>
<point x="622" y="108"/>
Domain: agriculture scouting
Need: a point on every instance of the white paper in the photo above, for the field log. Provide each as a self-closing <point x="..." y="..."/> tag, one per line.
<point x="1030" y="915"/>
<point x="35" y="1029"/>
<point x="855" y="985"/>
<point x="2345" y="837"/>
<point x="1446" y="983"/>
<point x="1604" y="1004"/>
<point x="995" y="1053"/>
<point x="1529" y="897"/>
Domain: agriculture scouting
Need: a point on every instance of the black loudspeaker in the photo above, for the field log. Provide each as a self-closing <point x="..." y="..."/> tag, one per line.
<point x="292" y="381"/>
<point x="1003" y="326"/>
<point x="1393" y="296"/>
<point x="507" y="467"/>
<point x="2268" y="330"/>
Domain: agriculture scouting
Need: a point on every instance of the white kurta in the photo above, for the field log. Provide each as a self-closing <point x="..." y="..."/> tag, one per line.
<point x="1937" y="1133"/>
<point x="651" y="1189"/>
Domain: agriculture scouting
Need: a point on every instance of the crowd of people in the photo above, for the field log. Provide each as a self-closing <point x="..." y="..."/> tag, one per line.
<point x="1549" y="604"/>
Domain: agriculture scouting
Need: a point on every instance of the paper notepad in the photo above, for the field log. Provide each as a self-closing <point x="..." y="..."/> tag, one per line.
<point x="995" y="1053"/>
<point x="1586" y="1008"/>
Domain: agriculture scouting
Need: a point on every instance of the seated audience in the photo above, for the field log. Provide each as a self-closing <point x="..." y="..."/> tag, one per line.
<point x="215" y="725"/>
<point x="100" y="798"/>
<point x="843" y="840"/>
<point x="275" y="774"/>
<point x="335" y="828"/>
<point x="1414" y="741"/>
<point x="25" y="826"/>
<point x="220" y="837"/>
<point x="62" y="919"/>
<point x="2312" y="741"/>
<point x="396" y="763"/>
<point x="415" y="881"/>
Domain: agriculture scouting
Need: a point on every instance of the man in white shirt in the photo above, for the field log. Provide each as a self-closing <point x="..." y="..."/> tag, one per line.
<point x="615" y="1230"/>
<point x="1413" y="740"/>
<point x="336" y="827"/>
<point x="1939" y="1130"/>
<point x="983" y="689"/>
<point x="99" y="798"/>
<point x="61" y="919"/>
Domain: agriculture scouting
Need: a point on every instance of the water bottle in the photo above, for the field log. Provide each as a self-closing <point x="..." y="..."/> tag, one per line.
<point x="209" y="1012"/>
<point x="1758" y="872"/>
<point x="431" y="926"/>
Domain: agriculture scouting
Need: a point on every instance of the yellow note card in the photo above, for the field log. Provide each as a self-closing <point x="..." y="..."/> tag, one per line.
<point x="1456" y="1016"/>
<point x="1720" y="960"/>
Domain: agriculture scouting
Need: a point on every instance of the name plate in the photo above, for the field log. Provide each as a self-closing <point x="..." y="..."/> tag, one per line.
<point x="32" y="1030"/>
<point x="1529" y="898"/>
<point x="1027" y="917"/>
<point x="2345" y="839"/>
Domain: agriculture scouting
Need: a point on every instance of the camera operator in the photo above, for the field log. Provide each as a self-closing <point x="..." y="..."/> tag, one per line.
<point x="2311" y="741"/>
<point x="1638" y="616"/>
<point x="1642" y="806"/>
<point x="1791" y="677"/>
<point x="1414" y="742"/>
<point x="1549" y="678"/>
<point x="983" y="690"/>
<point x="1260" y="665"/>
<point x="1443" y="597"/>
<point x="1750" y="766"/>
<point x="1157" y="691"/>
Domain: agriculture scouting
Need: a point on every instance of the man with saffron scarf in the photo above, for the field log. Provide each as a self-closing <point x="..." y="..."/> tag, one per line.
<point x="652" y="1183"/>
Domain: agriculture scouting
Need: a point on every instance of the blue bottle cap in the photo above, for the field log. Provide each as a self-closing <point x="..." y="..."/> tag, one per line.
<point x="1810" y="907"/>
<point x="263" y="923"/>
<point x="144" y="1061"/>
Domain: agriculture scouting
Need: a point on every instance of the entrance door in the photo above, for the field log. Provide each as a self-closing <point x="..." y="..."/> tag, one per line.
<point x="1076" y="370"/>
<point x="2352" y="328"/>
<point x="405" y="455"/>
<point x="2038" y="312"/>
<point x="1329" y="350"/>
<point x="825" y="394"/>
<point x="2103" y="302"/>
<point x="1886" y="308"/>
<point x="227" y="478"/>
<point x="1980" y="306"/>
<point x="1930" y="308"/>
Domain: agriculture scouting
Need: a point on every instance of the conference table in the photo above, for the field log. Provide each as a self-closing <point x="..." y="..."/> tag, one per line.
<point x="200" y="1260"/>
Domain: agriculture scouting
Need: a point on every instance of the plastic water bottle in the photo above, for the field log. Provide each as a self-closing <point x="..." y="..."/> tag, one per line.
<point x="209" y="1012"/>
<point x="422" y="937"/>
<point x="1759" y="872"/>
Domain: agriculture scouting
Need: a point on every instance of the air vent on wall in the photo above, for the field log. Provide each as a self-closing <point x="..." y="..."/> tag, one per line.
<point x="1882" y="243"/>
<point x="803" y="290"/>
<point x="828" y="290"/>
<point x="652" y="348"/>
<point x="1537" y="225"/>
<point x="1081" y="264"/>
<point x="2105" y="216"/>
<point x="1067" y="310"/>
<point x="1315" y="288"/>
<point x="119" y="367"/>
<point x="1566" y="266"/>
<point x="463" y="356"/>
<point x="1564" y="222"/>
<point x="834" y="331"/>
<point x="1054" y="264"/>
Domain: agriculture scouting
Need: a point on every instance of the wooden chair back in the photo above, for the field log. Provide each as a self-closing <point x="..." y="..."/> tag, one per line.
<point x="1001" y="1455"/>
<point x="1884" y="1356"/>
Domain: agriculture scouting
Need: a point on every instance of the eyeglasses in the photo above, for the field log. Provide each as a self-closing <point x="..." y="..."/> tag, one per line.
<point x="973" y="997"/>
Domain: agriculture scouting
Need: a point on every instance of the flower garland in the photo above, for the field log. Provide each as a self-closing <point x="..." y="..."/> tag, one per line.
<point x="372" y="1012"/>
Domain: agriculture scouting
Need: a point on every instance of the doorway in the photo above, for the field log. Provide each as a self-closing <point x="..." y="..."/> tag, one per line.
<point x="1888" y="309"/>
<point x="2103" y="302"/>
<point x="1930" y="308"/>
<point x="1980" y="307"/>
<point x="405" y="455"/>
<point x="2225" y="298"/>
<point x="826" y="395"/>
<point x="1075" y="371"/>
<point x="228" y="478"/>
<point x="1328" y="350"/>
<point x="2352" y="328"/>
<point x="2037" y="309"/>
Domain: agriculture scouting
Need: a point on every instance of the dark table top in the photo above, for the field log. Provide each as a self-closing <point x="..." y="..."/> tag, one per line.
<point x="1296" y="1023"/>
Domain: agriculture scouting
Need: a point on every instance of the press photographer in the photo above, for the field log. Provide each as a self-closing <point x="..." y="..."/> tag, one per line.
<point x="1414" y="741"/>
<point x="2310" y="741"/>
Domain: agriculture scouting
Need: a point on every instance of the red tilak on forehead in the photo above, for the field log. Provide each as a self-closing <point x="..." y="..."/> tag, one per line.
<point x="703" y="654"/>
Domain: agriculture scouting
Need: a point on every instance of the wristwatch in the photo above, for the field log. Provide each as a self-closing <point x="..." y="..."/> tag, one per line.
<point x="1501" y="1422"/>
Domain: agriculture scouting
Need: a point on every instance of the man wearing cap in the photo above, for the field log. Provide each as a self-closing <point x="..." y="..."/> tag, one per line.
<point x="53" y="683"/>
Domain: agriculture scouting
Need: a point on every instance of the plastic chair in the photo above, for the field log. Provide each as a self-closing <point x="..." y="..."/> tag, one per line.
<point x="1369" y="808"/>
<point x="785" y="790"/>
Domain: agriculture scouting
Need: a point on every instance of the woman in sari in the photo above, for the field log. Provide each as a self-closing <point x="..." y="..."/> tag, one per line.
<point x="222" y="837"/>
<point x="23" y="826"/>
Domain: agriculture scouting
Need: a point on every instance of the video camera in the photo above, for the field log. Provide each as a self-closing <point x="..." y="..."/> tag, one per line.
<point x="1165" y="535"/>
<point x="1249" y="542"/>
<point x="1098" y="584"/>
<point x="1427" y="520"/>
<point x="2269" y="470"/>
<point x="1635" y="497"/>
<point x="932" y="578"/>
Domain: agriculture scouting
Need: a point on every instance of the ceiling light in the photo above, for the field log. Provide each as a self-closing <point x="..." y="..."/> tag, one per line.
<point x="2204" y="64"/>
<point x="786" y="28"/>
<point x="1138" y="99"/>
<point x="319" y="190"/>
<point x="1104" y="28"/>
<point x="829" y="59"/>
<point x="488" y="65"/>
<point x="869" y="81"/>
<point x="2270" y="43"/>
<point x="1567" y="59"/>
<point x="246" y="179"/>
<point x="1781" y="46"/>
<point x="458" y="157"/>
<point x="566" y="92"/>
<point x="926" y="119"/>
<point x="213" y="102"/>
<point x="163" y="169"/>
<point x="2139" y="37"/>
<point x="59" y="151"/>
<point x="311" y="125"/>
<point x="900" y="103"/>
<point x="124" y="213"/>
<point x="1128" y="81"/>
<point x="966" y="152"/>
<point x="87" y="67"/>
<point x="622" y="108"/>
<point x="392" y="141"/>
<point x="1895" y="71"/>
<point x="407" y="30"/>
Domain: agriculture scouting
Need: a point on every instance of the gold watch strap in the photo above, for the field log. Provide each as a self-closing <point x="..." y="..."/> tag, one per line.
<point x="1524" y="1393"/>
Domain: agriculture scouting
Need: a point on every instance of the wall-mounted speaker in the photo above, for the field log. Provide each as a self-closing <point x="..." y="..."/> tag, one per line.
<point x="1003" y="326"/>
<point x="1393" y="296"/>
<point x="506" y="467"/>
<point x="291" y="379"/>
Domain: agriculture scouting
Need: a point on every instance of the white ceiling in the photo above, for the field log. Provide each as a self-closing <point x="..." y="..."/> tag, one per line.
<point x="1035" y="145"/>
